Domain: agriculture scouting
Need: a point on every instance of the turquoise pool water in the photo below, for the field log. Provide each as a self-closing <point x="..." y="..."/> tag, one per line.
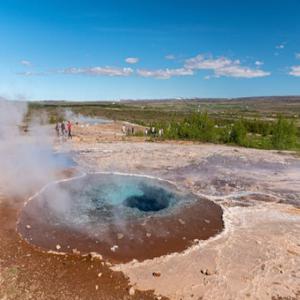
<point x="98" y="200"/>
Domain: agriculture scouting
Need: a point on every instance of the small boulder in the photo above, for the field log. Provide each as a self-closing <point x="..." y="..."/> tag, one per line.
<point x="114" y="248"/>
<point x="156" y="274"/>
<point x="75" y="251"/>
<point x="181" y="221"/>
<point x="120" y="236"/>
<point x="131" y="291"/>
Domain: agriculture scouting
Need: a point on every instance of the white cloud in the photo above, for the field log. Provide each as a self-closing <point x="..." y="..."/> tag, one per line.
<point x="132" y="60"/>
<point x="25" y="62"/>
<point x="223" y="66"/>
<point x="170" y="57"/>
<point x="240" y="72"/>
<point x="295" y="71"/>
<point x="297" y="55"/>
<point x="98" y="71"/>
<point x="280" y="46"/>
<point x="165" y="73"/>
<point x="259" y="63"/>
<point x="29" y="73"/>
<point x="201" y="63"/>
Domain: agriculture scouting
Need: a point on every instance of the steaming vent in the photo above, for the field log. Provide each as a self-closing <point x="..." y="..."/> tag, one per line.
<point x="121" y="217"/>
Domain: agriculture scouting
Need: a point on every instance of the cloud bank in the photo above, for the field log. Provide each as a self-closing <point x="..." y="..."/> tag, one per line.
<point x="223" y="66"/>
<point x="98" y="71"/>
<point x="220" y="67"/>
<point x="165" y="73"/>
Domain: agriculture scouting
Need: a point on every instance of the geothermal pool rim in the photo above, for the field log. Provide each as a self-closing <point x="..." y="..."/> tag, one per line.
<point x="186" y="191"/>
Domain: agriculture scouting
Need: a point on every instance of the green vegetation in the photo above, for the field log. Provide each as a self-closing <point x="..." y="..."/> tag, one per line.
<point x="279" y="134"/>
<point x="265" y="123"/>
<point x="284" y="134"/>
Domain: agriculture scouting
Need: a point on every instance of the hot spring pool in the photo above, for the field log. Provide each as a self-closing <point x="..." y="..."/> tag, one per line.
<point x="121" y="217"/>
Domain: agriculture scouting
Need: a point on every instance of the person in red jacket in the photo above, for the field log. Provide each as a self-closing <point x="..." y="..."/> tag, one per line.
<point x="69" y="127"/>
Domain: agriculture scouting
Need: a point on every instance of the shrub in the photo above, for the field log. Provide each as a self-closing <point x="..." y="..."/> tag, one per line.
<point x="284" y="134"/>
<point x="238" y="133"/>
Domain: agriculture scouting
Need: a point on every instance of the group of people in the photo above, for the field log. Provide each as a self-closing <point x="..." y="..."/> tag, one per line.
<point x="128" y="130"/>
<point x="152" y="131"/>
<point x="63" y="129"/>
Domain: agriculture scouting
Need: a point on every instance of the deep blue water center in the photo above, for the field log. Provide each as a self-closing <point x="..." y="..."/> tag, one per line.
<point x="152" y="199"/>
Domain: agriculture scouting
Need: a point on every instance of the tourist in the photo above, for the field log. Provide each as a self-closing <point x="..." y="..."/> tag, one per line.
<point x="160" y="132"/>
<point x="69" y="127"/>
<point x="57" y="129"/>
<point x="63" y="128"/>
<point x="124" y="129"/>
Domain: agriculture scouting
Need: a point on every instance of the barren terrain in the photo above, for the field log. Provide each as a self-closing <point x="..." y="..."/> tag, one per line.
<point x="257" y="256"/>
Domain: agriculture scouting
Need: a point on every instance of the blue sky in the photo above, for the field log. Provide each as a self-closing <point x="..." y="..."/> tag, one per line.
<point x="93" y="50"/>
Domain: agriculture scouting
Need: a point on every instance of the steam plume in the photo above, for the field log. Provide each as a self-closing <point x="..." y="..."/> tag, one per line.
<point x="25" y="159"/>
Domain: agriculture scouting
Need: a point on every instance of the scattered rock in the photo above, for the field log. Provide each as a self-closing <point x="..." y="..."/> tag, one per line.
<point x="131" y="291"/>
<point x="28" y="226"/>
<point x="95" y="255"/>
<point x="156" y="274"/>
<point x="58" y="247"/>
<point x="120" y="236"/>
<point x="114" y="248"/>
<point x="181" y="221"/>
<point x="206" y="272"/>
<point x="206" y="221"/>
<point x="96" y="287"/>
<point x="148" y="234"/>
<point x="99" y="274"/>
<point x="75" y="251"/>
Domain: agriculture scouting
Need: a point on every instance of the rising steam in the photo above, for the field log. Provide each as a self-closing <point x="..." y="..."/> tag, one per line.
<point x="26" y="160"/>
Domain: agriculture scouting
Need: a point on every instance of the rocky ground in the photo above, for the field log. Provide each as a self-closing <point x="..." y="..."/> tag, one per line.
<point x="257" y="256"/>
